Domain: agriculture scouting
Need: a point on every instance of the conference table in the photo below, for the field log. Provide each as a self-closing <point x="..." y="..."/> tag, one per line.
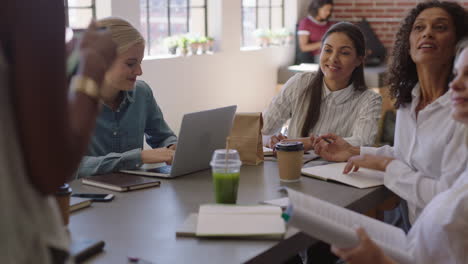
<point x="143" y="223"/>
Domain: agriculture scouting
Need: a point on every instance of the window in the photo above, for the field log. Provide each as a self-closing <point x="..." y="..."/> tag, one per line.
<point x="260" y="16"/>
<point x="164" y="18"/>
<point x="80" y="13"/>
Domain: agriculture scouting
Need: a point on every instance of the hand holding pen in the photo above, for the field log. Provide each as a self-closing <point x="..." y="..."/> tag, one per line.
<point x="334" y="148"/>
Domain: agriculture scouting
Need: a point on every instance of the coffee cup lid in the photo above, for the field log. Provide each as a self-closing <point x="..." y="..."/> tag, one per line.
<point x="289" y="146"/>
<point x="64" y="190"/>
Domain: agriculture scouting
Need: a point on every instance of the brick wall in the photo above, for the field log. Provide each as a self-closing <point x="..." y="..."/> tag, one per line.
<point x="384" y="15"/>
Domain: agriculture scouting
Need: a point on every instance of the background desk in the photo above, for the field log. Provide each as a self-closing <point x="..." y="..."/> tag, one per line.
<point x="143" y="223"/>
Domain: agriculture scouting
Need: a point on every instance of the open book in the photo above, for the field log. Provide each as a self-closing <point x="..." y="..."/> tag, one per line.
<point x="363" y="178"/>
<point x="336" y="225"/>
<point x="240" y="221"/>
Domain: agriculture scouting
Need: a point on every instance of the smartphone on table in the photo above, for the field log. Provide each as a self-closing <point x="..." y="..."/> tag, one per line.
<point x="95" y="197"/>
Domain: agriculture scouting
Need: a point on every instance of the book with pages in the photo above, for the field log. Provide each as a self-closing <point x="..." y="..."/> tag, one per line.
<point x="336" y="225"/>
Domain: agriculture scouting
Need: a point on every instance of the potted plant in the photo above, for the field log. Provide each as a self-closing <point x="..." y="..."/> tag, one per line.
<point x="171" y="44"/>
<point x="210" y="44"/>
<point x="182" y="44"/>
<point x="203" y="42"/>
<point x="263" y="36"/>
<point x="194" y="45"/>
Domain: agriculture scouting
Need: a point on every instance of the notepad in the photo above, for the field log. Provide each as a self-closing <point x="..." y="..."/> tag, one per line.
<point x="267" y="151"/>
<point x="364" y="178"/>
<point x="240" y="221"/>
<point x="120" y="182"/>
<point x="77" y="203"/>
<point x="336" y="225"/>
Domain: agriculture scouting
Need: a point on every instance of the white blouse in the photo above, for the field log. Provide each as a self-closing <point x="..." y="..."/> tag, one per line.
<point x="430" y="152"/>
<point x="440" y="235"/>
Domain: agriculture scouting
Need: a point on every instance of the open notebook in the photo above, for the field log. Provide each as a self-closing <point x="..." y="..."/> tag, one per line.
<point x="363" y="178"/>
<point x="256" y="221"/>
<point x="336" y="225"/>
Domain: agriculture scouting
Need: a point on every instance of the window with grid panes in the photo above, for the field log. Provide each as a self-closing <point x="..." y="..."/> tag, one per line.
<point x="267" y="15"/>
<point x="163" y="18"/>
<point x="79" y="13"/>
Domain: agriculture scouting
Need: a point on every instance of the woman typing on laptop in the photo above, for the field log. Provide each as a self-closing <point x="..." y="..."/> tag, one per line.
<point x="129" y="112"/>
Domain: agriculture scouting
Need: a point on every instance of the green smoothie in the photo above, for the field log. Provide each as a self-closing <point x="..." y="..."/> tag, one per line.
<point x="225" y="187"/>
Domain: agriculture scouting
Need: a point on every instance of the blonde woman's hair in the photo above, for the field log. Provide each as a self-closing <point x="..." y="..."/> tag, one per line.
<point x="123" y="33"/>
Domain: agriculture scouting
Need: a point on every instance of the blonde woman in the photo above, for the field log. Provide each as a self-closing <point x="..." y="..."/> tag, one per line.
<point x="129" y="112"/>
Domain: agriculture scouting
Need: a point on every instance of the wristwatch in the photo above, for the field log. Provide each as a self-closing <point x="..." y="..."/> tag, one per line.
<point x="86" y="85"/>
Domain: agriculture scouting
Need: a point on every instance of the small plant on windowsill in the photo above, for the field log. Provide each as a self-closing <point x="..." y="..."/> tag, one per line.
<point x="194" y="44"/>
<point x="280" y="36"/>
<point x="210" y="44"/>
<point x="203" y="42"/>
<point x="263" y="36"/>
<point x="171" y="44"/>
<point x="183" y="45"/>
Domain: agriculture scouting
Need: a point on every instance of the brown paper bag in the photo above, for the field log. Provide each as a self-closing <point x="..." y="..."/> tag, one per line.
<point x="246" y="137"/>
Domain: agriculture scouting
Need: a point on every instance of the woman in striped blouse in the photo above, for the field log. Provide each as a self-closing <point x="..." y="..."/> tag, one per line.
<point x="335" y="99"/>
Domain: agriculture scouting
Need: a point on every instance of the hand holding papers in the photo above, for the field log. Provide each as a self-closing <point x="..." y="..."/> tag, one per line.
<point x="336" y="225"/>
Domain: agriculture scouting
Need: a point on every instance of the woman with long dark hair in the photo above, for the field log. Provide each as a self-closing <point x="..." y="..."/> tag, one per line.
<point x="440" y="233"/>
<point x="333" y="99"/>
<point x="429" y="153"/>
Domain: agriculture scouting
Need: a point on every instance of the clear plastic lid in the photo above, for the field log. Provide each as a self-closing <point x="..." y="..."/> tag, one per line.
<point x="223" y="158"/>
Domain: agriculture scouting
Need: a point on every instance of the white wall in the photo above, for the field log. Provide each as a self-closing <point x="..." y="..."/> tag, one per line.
<point x="229" y="76"/>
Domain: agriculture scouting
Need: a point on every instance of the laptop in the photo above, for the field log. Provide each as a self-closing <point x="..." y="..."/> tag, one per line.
<point x="200" y="134"/>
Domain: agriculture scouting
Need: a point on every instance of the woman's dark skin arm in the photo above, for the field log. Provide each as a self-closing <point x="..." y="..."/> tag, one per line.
<point x="54" y="126"/>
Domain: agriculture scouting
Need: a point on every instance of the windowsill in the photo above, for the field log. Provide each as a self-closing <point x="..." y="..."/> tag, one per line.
<point x="255" y="48"/>
<point x="170" y="56"/>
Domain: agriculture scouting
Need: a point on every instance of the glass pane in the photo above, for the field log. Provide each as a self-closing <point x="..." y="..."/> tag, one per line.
<point x="264" y="3"/>
<point x="248" y="26"/>
<point x="277" y="17"/>
<point x="79" y="18"/>
<point x="144" y="22"/>
<point x="75" y="3"/>
<point x="264" y="18"/>
<point x="158" y="3"/>
<point x="197" y="2"/>
<point x="178" y="3"/>
<point x="158" y="29"/>
<point x="197" y="21"/>
<point x="249" y="3"/>
<point x="178" y="20"/>
<point x="276" y="2"/>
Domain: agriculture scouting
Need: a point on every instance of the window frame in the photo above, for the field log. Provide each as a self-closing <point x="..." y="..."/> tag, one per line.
<point x="257" y="7"/>
<point x="67" y="9"/>
<point x="168" y="12"/>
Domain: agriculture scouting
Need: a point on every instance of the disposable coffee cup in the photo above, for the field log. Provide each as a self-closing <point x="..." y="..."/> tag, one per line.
<point x="289" y="156"/>
<point x="63" y="199"/>
<point x="225" y="167"/>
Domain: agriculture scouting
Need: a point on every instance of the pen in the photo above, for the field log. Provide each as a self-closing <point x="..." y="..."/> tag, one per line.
<point x="325" y="139"/>
<point x="138" y="260"/>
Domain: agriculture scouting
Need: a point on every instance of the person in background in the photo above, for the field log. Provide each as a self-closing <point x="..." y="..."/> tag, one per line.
<point x="312" y="28"/>
<point x="334" y="99"/>
<point x="429" y="154"/>
<point x="440" y="235"/>
<point x="129" y="112"/>
<point x="45" y="128"/>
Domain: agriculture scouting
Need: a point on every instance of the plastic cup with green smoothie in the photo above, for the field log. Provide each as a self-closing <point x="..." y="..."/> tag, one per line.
<point x="225" y="167"/>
